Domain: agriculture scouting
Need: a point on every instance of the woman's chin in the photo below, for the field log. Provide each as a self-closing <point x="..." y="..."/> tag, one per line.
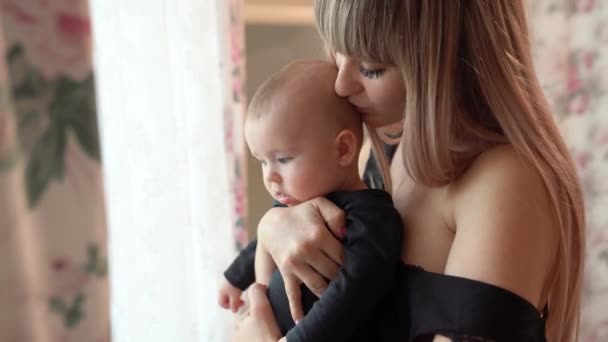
<point x="382" y="122"/>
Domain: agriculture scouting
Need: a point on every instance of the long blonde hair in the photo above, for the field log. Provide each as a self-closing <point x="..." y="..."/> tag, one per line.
<point x="470" y="85"/>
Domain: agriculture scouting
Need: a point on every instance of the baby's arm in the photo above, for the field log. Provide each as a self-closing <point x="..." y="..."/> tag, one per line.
<point x="264" y="265"/>
<point x="239" y="275"/>
<point x="372" y="256"/>
<point x="241" y="272"/>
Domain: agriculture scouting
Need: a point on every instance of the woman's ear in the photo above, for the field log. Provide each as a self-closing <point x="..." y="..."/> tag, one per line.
<point x="347" y="144"/>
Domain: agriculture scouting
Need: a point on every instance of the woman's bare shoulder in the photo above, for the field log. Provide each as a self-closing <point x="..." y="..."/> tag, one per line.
<point x="499" y="168"/>
<point x="505" y="225"/>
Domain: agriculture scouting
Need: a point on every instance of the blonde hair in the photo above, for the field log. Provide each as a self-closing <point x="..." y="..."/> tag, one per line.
<point x="470" y="85"/>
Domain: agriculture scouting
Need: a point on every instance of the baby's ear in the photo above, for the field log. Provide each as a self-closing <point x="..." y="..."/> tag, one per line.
<point x="346" y="142"/>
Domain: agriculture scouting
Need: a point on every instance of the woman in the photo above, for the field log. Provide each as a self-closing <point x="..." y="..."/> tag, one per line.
<point x="481" y="177"/>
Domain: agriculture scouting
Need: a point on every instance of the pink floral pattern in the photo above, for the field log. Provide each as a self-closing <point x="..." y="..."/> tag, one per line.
<point x="53" y="279"/>
<point x="571" y="51"/>
<point x="233" y="118"/>
<point x="43" y="26"/>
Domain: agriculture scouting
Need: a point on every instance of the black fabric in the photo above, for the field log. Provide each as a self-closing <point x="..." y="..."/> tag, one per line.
<point x="372" y="176"/>
<point x="354" y="306"/>
<point x="464" y="309"/>
<point x="241" y="273"/>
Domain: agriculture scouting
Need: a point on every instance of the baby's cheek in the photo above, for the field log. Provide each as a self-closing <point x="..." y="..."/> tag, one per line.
<point x="319" y="181"/>
<point x="307" y="182"/>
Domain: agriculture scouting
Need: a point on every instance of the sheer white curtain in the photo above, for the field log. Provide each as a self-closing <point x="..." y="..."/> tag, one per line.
<point x="161" y="90"/>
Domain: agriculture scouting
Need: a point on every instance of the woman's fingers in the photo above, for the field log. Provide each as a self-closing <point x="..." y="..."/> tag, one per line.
<point x="311" y="279"/>
<point x="294" y="295"/>
<point x="332" y="215"/>
<point x="333" y="218"/>
<point x="257" y="324"/>
<point x="333" y="249"/>
<point x="324" y="264"/>
<point x="259" y="305"/>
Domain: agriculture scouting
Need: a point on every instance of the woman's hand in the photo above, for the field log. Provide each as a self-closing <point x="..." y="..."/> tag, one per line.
<point x="302" y="246"/>
<point x="258" y="324"/>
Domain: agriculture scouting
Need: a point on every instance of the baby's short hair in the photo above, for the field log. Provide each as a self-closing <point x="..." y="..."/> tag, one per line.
<point x="318" y="78"/>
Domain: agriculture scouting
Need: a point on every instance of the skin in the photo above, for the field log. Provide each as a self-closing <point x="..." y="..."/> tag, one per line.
<point x="499" y="209"/>
<point x="229" y="296"/>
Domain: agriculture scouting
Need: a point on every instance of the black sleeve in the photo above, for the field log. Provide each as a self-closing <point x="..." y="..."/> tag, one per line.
<point x="241" y="273"/>
<point x="372" y="255"/>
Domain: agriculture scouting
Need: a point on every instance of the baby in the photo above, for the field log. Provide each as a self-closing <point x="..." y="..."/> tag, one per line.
<point x="307" y="140"/>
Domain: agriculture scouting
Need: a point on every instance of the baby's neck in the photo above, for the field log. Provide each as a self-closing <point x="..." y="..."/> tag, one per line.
<point x="352" y="182"/>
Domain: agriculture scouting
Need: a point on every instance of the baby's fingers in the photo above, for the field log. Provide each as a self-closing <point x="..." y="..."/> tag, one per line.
<point x="224" y="301"/>
<point x="235" y="303"/>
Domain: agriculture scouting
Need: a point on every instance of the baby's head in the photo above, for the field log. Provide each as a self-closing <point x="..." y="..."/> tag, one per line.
<point x="306" y="137"/>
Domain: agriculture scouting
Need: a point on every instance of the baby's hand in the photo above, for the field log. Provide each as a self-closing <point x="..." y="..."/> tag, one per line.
<point x="230" y="296"/>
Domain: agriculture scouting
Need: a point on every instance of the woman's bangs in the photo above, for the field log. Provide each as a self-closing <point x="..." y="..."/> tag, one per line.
<point x="361" y="29"/>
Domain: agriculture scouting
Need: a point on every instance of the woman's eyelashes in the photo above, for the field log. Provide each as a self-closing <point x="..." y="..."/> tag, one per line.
<point x="371" y="73"/>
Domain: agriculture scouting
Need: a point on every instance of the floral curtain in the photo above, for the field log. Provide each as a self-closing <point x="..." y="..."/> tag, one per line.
<point x="53" y="279"/>
<point x="571" y="51"/>
<point x="233" y="118"/>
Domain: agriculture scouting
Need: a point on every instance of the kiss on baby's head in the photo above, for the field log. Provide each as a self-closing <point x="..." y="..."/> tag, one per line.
<point x="306" y="137"/>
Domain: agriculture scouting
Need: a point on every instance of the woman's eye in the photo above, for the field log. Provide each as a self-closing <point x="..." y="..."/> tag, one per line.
<point x="284" y="160"/>
<point x="371" y="73"/>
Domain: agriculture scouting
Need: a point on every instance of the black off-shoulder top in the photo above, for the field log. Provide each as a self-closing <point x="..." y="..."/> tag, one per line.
<point x="464" y="309"/>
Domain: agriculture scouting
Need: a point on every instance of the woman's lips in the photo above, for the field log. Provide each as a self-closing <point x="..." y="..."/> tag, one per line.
<point x="360" y="110"/>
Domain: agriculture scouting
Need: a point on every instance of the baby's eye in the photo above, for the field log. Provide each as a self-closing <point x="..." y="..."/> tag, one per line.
<point x="284" y="160"/>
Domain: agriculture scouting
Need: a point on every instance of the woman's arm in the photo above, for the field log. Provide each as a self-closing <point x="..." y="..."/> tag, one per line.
<point x="303" y="243"/>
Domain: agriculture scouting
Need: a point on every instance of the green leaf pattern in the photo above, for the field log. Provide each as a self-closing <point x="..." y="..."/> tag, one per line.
<point x="71" y="309"/>
<point x="65" y="106"/>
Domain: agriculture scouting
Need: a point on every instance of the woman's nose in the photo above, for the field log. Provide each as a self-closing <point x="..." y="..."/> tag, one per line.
<point x="347" y="82"/>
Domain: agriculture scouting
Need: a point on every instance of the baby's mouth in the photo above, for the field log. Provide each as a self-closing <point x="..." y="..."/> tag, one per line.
<point x="284" y="198"/>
